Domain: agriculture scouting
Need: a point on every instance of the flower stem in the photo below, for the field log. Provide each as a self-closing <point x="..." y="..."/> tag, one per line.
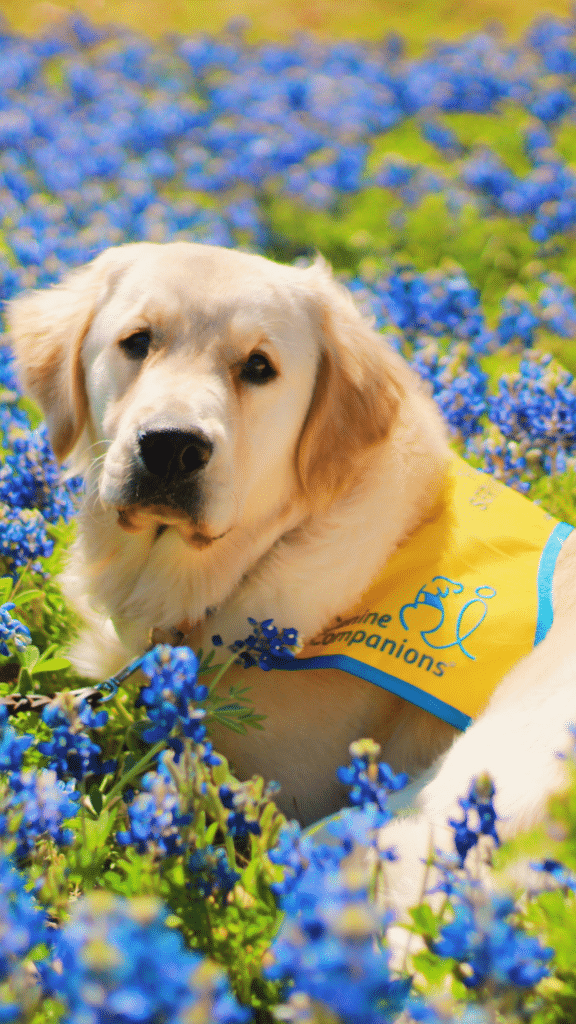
<point x="116" y="790"/>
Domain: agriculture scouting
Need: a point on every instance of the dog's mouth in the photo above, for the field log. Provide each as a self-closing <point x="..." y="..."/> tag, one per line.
<point x="137" y="518"/>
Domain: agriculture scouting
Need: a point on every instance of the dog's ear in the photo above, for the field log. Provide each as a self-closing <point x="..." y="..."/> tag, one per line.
<point x="46" y="330"/>
<point x="358" y="390"/>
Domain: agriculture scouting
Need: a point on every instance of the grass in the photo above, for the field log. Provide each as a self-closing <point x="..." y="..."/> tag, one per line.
<point x="418" y="20"/>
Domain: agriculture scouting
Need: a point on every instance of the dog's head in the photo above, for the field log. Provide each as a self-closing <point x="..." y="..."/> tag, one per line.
<point x="206" y="386"/>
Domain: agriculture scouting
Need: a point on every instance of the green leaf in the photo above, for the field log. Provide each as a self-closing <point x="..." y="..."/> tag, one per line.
<point x="206" y="663"/>
<point x="211" y="833"/>
<point x="96" y="798"/>
<point x="433" y="967"/>
<point x="29" y="657"/>
<point x="50" y="665"/>
<point x="220" y="772"/>
<point x="425" y="921"/>
<point x="25" y="596"/>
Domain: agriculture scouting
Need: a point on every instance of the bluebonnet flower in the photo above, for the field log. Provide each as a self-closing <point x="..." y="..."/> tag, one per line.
<point x="117" y="960"/>
<point x="264" y="643"/>
<point x="30" y="478"/>
<point x="551" y="38"/>
<point x="551" y="104"/>
<point x="23" y="539"/>
<point x="441" y="136"/>
<point x="172" y="694"/>
<point x="487" y="174"/>
<point x="496" y="953"/>
<point x="479" y="811"/>
<point x="23" y="922"/>
<point x="458" y="383"/>
<point x="533" y="423"/>
<point x="515" y="464"/>
<point x="256" y="125"/>
<point x="554" y="875"/>
<point x="7" y="379"/>
<point x="12" y="631"/>
<point x="557" y="306"/>
<point x="71" y="750"/>
<point x="303" y="858"/>
<point x="329" y="949"/>
<point x="434" y="303"/>
<point x="554" y="217"/>
<point x="395" y="172"/>
<point x="12" y="744"/>
<point x="41" y="803"/>
<point x="518" y="322"/>
<point x="155" y="819"/>
<point x="238" y="800"/>
<point x="370" y="781"/>
<point x="210" y="872"/>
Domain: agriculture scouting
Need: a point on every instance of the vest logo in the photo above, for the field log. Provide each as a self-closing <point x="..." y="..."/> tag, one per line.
<point x="443" y="610"/>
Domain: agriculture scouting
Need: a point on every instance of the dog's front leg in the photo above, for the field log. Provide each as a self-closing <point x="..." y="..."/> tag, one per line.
<point x="98" y="652"/>
<point x="517" y="741"/>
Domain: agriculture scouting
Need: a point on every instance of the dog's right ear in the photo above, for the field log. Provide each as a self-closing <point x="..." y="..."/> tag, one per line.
<point x="46" y="331"/>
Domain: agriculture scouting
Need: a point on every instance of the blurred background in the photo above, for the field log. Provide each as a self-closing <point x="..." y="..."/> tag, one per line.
<point x="418" y="20"/>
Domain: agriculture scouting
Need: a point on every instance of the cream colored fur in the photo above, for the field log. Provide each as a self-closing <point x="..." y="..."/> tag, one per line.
<point x="316" y="477"/>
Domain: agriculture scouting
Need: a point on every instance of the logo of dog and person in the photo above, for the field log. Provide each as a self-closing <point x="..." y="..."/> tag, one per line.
<point x="437" y="612"/>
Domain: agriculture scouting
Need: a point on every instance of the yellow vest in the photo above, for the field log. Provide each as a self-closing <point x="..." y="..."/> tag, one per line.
<point x="456" y="606"/>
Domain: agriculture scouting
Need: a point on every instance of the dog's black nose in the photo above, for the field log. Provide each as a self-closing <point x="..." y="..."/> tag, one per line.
<point x="173" y="454"/>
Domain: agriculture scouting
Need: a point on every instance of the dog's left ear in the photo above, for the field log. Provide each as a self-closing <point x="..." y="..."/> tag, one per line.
<point x="46" y="331"/>
<point x="358" y="390"/>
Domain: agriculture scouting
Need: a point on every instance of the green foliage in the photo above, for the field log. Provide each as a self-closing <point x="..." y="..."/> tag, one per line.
<point x="557" y="495"/>
<point x="494" y="251"/>
<point x="502" y="132"/>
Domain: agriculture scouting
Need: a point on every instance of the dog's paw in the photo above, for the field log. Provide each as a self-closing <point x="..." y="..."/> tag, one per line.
<point x="99" y="653"/>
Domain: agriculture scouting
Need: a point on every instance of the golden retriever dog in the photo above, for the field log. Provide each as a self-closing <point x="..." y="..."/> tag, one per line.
<point x="253" y="448"/>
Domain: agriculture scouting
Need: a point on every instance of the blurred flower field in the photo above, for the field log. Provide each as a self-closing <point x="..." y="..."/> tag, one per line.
<point x="139" y="880"/>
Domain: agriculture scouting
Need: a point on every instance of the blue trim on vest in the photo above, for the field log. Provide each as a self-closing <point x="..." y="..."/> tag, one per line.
<point x="383" y="679"/>
<point x="545" y="573"/>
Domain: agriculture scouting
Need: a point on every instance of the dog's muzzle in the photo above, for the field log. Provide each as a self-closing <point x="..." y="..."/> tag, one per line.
<point x="165" y="478"/>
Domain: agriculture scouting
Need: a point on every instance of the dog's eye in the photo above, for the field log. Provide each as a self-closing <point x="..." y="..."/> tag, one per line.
<point x="257" y="369"/>
<point x="136" y="345"/>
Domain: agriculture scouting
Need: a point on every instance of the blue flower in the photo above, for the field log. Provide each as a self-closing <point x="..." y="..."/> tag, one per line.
<point x="265" y="643"/>
<point x="496" y="952"/>
<point x="210" y="872"/>
<point x="441" y="137"/>
<point x="518" y="322"/>
<point x="172" y="694"/>
<point x="242" y="819"/>
<point x="42" y="804"/>
<point x="121" y="962"/>
<point x="12" y="631"/>
<point x="12" y="744"/>
<point x="330" y="950"/>
<point x="24" y="924"/>
<point x="23" y="538"/>
<point x="155" y="819"/>
<point x="479" y="803"/>
<point x="71" y="750"/>
<point x="370" y="781"/>
<point x="459" y="385"/>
